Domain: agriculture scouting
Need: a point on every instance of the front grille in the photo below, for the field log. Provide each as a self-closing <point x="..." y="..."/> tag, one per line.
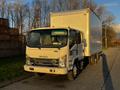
<point x="45" y="62"/>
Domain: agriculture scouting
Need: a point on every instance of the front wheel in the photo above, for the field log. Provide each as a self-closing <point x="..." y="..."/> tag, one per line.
<point x="80" y="65"/>
<point x="72" y="74"/>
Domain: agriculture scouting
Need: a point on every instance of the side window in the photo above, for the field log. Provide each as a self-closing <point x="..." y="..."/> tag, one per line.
<point x="78" y="37"/>
<point x="72" y="38"/>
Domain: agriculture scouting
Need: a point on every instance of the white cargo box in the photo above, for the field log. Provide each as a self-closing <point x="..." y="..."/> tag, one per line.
<point x="87" y="22"/>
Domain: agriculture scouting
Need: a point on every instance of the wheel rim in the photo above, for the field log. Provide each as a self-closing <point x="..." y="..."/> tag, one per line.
<point x="81" y="65"/>
<point x="74" y="71"/>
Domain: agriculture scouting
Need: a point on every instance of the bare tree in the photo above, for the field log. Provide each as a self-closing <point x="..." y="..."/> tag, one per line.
<point x="84" y="3"/>
<point x="17" y="13"/>
<point x="109" y="34"/>
<point x="37" y="13"/>
<point x="29" y="17"/>
<point x="64" y="5"/>
<point x="2" y="8"/>
<point x="45" y="10"/>
<point x="10" y="14"/>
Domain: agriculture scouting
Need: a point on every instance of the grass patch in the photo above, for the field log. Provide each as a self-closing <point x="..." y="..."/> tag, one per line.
<point x="11" y="68"/>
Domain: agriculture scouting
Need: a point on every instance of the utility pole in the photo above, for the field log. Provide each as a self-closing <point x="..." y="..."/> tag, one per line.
<point x="104" y="25"/>
<point x="106" y="36"/>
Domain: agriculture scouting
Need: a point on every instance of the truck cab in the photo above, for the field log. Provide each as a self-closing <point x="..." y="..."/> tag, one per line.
<point x="54" y="51"/>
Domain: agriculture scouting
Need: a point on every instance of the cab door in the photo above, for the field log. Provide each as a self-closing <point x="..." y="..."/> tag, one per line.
<point x="75" y="46"/>
<point x="80" y="45"/>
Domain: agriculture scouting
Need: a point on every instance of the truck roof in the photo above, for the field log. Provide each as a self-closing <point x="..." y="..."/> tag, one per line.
<point x="46" y="28"/>
<point x="70" y="12"/>
<point x="86" y="10"/>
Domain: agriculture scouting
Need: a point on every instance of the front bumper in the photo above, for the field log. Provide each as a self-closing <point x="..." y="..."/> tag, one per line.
<point x="48" y="70"/>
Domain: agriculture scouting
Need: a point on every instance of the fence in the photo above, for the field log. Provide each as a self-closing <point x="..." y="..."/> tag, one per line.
<point x="11" y="43"/>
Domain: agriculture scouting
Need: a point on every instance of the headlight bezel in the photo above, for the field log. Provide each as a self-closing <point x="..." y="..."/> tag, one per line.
<point x="28" y="62"/>
<point x="62" y="61"/>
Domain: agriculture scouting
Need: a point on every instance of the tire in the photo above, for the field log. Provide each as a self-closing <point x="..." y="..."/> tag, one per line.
<point x="97" y="58"/>
<point x="72" y="74"/>
<point x="92" y="60"/>
<point x="80" y="65"/>
<point x="86" y="61"/>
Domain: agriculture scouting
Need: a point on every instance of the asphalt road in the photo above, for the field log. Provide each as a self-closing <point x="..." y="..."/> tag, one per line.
<point x="105" y="75"/>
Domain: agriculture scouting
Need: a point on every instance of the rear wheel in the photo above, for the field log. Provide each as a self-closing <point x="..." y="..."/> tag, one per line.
<point x="97" y="57"/>
<point x="94" y="58"/>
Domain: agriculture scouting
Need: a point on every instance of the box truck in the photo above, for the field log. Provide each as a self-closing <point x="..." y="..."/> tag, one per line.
<point x="73" y="38"/>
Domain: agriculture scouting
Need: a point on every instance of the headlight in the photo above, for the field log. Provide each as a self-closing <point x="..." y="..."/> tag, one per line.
<point x="28" y="60"/>
<point x="62" y="62"/>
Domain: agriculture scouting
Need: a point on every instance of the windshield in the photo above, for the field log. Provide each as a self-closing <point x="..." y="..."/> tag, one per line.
<point x="55" y="38"/>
